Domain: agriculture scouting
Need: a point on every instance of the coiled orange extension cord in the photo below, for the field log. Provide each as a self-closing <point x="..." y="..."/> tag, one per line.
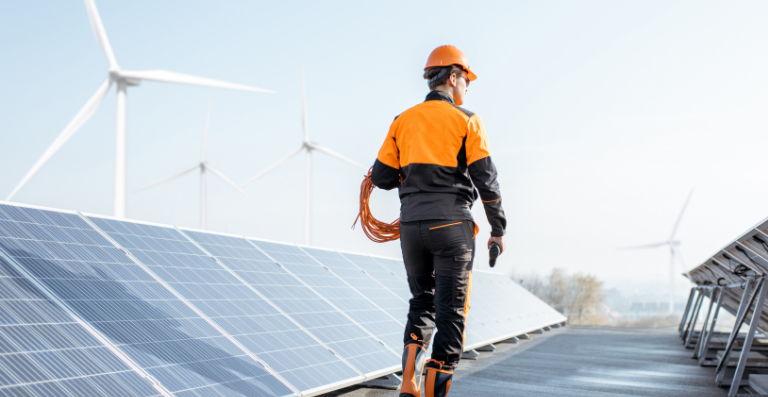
<point x="376" y="230"/>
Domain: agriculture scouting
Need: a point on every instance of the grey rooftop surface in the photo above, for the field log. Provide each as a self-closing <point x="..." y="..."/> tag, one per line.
<point x="580" y="361"/>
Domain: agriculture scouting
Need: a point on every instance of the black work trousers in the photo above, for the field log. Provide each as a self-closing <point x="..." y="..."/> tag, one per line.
<point x="438" y="258"/>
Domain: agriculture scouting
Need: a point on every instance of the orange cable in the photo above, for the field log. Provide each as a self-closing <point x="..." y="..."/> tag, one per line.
<point x="376" y="230"/>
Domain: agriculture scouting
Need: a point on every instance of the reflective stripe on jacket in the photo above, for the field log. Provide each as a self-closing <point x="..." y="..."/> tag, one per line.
<point x="440" y="150"/>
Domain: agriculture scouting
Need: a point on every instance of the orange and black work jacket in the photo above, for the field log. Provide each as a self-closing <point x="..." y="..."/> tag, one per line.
<point x="439" y="150"/>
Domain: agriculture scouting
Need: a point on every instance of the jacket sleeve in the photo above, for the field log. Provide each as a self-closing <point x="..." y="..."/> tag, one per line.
<point x="386" y="169"/>
<point x="483" y="173"/>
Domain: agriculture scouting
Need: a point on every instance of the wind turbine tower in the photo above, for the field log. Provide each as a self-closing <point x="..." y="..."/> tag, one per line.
<point x="309" y="146"/>
<point x="673" y="251"/>
<point x="123" y="79"/>
<point x="203" y="166"/>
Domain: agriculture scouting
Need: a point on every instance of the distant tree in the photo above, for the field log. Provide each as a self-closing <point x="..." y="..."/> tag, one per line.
<point x="579" y="297"/>
<point x="586" y="301"/>
<point x="559" y="291"/>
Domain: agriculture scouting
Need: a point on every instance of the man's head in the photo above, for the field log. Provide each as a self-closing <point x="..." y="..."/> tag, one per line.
<point x="452" y="80"/>
<point x="448" y="71"/>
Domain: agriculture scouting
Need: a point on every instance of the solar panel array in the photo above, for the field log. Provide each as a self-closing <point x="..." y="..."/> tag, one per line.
<point x="747" y="254"/>
<point x="93" y="306"/>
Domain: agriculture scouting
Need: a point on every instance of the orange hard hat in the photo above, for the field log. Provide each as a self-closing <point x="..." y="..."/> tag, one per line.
<point x="447" y="55"/>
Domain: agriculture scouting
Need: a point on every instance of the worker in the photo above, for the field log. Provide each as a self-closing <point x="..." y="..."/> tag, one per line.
<point x="434" y="153"/>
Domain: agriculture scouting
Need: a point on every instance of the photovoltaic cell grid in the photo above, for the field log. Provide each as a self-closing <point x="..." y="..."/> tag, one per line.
<point x="176" y="345"/>
<point x="396" y="266"/>
<point x="486" y="311"/>
<point x="343" y="334"/>
<point x="515" y="310"/>
<point x="389" y="328"/>
<point x="384" y="275"/>
<point x="43" y="351"/>
<point x="307" y="364"/>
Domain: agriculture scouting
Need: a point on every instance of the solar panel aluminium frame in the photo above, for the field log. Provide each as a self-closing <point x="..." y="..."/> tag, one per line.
<point x="368" y="376"/>
<point x="73" y="314"/>
<point x="195" y="309"/>
<point x="311" y="392"/>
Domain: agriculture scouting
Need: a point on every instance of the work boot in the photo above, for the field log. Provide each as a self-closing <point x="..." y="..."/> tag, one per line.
<point x="438" y="380"/>
<point x="413" y="363"/>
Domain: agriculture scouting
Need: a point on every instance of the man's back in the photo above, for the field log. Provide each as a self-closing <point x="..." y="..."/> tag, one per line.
<point x="437" y="148"/>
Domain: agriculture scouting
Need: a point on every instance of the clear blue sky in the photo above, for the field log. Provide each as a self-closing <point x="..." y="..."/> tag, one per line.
<point x="601" y="115"/>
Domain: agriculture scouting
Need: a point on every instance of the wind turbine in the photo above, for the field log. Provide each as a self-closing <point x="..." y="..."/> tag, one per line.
<point x="309" y="146"/>
<point x="203" y="166"/>
<point x="123" y="78"/>
<point x="673" y="250"/>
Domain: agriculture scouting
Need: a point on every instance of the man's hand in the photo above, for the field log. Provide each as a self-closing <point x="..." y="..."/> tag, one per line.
<point x="500" y="241"/>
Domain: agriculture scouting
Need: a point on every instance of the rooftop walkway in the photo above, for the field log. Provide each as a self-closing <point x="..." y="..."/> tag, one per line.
<point x="580" y="361"/>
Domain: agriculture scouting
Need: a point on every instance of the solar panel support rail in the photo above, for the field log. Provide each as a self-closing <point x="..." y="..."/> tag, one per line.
<point x="694" y="317"/>
<point x="189" y="304"/>
<point x="691" y="297"/>
<point x="372" y="375"/>
<point x="89" y="328"/>
<point x="753" y="323"/>
<point x="747" y="300"/>
<point x="715" y="291"/>
<point x="307" y="393"/>
<point x="702" y="353"/>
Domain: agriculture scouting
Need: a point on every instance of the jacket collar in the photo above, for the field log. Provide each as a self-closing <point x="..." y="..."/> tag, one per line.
<point x="439" y="96"/>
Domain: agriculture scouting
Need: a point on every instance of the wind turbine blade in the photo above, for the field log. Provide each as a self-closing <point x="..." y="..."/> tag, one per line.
<point x="100" y="33"/>
<point x="174" y="176"/>
<point x="680" y="217"/>
<point x="275" y="165"/>
<point x="644" y="246"/>
<point x="338" y="156"/>
<point x="80" y="118"/>
<point x="173" y="77"/>
<point x="228" y="181"/>
<point x="205" y="133"/>
<point x="304" y="125"/>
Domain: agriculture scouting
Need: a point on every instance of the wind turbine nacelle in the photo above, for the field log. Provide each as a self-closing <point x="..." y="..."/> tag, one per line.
<point x="116" y="76"/>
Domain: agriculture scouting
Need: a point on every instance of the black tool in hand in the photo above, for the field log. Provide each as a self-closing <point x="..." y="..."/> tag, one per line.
<point x="493" y="253"/>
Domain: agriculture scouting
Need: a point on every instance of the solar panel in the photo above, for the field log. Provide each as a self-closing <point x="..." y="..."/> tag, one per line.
<point x="389" y="328"/>
<point x="44" y="351"/>
<point x="229" y="302"/>
<point x="733" y="263"/>
<point x="396" y="266"/>
<point x="382" y="274"/>
<point x="285" y="346"/>
<point x="341" y="312"/>
<point x="137" y="314"/>
<point x="97" y="306"/>
<point x="509" y="309"/>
